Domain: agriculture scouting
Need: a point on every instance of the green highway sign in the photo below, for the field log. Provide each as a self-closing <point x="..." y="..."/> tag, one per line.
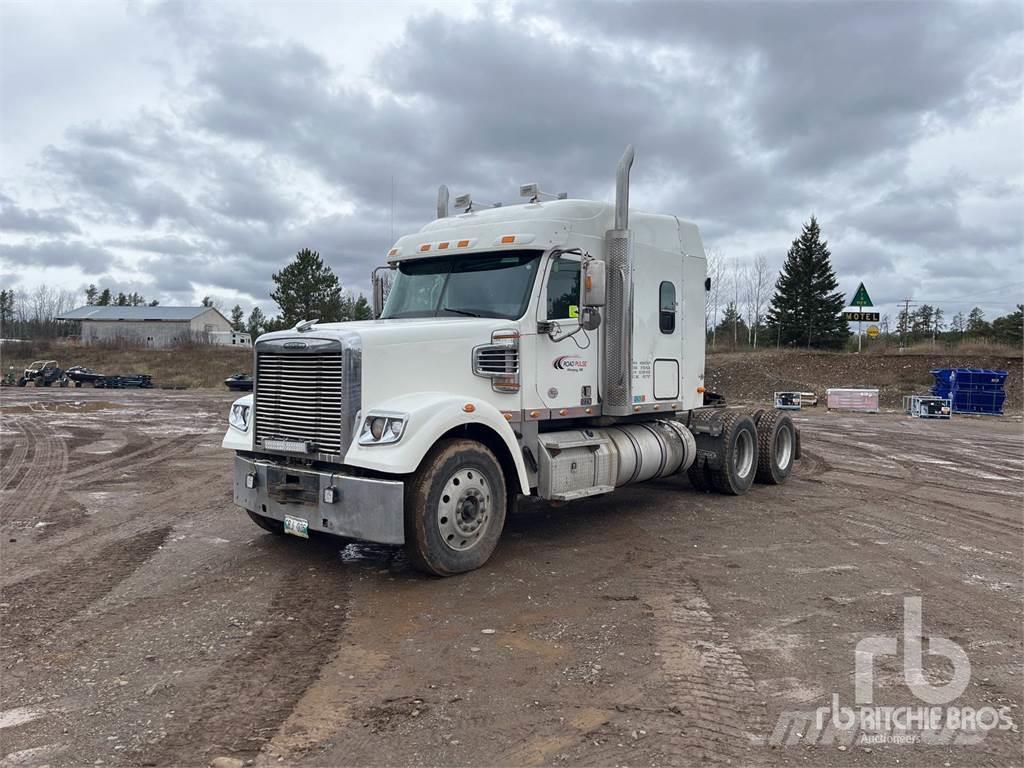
<point x="866" y="317"/>
<point x="861" y="298"/>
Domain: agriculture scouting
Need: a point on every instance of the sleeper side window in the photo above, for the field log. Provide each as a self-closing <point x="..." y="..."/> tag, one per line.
<point x="563" y="289"/>
<point x="667" y="307"/>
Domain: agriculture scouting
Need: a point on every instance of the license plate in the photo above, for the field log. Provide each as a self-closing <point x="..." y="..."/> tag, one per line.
<point x="296" y="526"/>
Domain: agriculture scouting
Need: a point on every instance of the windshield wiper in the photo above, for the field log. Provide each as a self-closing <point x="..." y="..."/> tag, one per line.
<point x="465" y="312"/>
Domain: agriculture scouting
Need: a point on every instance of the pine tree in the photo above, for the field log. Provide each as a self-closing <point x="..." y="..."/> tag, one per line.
<point x="361" y="309"/>
<point x="104" y="299"/>
<point x="976" y="323"/>
<point x="91" y="293"/>
<point x="308" y="289"/>
<point x="732" y="324"/>
<point x="6" y="308"/>
<point x="256" y="322"/>
<point x="122" y="300"/>
<point x="806" y="308"/>
<point x="1009" y="329"/>
<point x="154" y="303"/>
<point x="237" y="318"/>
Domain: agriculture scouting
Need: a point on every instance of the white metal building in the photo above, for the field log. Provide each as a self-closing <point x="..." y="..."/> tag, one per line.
<point x="148" y="326"/>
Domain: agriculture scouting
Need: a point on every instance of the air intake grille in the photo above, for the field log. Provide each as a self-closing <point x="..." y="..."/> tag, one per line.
<point x="299" y="397"/>
<point x="496" y="361"/>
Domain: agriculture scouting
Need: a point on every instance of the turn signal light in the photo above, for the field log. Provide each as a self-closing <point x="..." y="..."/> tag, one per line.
<point x="508" y="239"/>
<point x="700" y="390"/>
<point x="469" y="407"/>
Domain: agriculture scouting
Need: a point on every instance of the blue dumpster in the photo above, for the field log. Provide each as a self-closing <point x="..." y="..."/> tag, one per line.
<point x="971" y="390"/>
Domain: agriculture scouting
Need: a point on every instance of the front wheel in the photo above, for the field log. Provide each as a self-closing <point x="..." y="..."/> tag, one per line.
<point x="455" y="507"/>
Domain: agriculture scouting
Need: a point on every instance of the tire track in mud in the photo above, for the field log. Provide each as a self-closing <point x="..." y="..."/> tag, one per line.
<point x="253" y="693"/>
<point x="11" y="466"/>
<point x="34" y="607"/>
<point x="703" y="701"/>
<point x="41" y="484"/>
<point x="154" y="453"/>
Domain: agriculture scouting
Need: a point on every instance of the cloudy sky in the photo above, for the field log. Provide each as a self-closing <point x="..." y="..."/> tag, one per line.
<point x="181" y="149"/>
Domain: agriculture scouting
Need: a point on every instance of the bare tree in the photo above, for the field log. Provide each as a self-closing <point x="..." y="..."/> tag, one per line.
<point x="738" y="281"/>
<point x="719" y="289"/>
<point x="758" y="286"/>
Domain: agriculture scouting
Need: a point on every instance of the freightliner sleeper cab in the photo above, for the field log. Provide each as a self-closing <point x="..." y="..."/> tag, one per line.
<point x="551" y="349"/>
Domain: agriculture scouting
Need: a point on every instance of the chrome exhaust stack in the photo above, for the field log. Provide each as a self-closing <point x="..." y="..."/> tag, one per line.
<point x="617" y="353"/>
<point x="442" y="202"/>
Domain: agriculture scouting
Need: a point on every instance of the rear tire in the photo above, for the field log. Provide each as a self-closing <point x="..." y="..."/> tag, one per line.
<point x="739" y="455"/>
<point x="777" y="447"/>
<point x="455" y="508"/>
<point x="267" y="523"/>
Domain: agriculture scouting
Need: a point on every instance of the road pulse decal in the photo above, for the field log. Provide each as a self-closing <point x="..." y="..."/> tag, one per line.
<point x="570" y="363"/>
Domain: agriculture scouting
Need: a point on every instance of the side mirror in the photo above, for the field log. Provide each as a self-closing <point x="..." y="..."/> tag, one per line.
<point x="593" y="283"/>
<point x="379" y="283"/>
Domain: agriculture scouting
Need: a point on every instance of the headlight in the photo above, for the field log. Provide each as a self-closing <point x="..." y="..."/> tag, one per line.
<point x="238" y="417"/>
<point x="382" y="428"/>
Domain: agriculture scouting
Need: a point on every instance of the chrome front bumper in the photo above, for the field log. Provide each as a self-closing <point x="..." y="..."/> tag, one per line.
<point x="365" y="508"/>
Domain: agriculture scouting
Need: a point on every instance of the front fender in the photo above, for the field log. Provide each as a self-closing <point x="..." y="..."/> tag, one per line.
<point x="430" y="415"/>
<point x="236" y="439"/>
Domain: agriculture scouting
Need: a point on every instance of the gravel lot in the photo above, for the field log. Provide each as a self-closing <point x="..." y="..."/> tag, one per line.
<point x="147" y="621"/>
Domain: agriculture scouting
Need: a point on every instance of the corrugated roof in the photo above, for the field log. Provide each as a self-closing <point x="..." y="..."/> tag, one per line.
<point x="133" y="313"/>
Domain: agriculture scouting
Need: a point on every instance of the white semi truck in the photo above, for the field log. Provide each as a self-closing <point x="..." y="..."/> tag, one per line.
<point x="552" y="349"/>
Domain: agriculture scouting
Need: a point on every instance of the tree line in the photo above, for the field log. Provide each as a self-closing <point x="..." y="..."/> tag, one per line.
<point x="305" y="289"/>
<point x="803" y="307"/>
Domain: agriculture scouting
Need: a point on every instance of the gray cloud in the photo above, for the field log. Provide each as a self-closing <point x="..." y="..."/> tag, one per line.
<point x="16" y="219"/>
<point x="747" y="117"/>
<point x="57" y="253"/>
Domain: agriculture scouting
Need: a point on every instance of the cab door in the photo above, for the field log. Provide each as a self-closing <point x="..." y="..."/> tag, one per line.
<point x="567" y="355"/>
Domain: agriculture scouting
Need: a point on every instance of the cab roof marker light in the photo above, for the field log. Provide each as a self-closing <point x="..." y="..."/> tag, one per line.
<point x="393" y="252"/>
<point x="425" y="247"/>
<point x="442" y="246"/>
<point x="463" y="244"/>
<point x="514" y="239"/>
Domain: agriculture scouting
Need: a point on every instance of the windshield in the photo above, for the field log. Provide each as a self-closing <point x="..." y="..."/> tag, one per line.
<point x="494" y="284"/>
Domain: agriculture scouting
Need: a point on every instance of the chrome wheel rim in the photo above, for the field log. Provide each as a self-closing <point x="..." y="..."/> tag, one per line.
<point x="743" y="457"/>
<point x="464" y="509"/>
<point x="783" y="447"/>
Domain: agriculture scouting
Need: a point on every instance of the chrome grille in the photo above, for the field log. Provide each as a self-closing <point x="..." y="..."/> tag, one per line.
<point x="299" y="397"/>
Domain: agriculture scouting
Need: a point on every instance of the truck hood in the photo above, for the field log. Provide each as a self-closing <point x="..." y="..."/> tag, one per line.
<point x="383" y="333"/>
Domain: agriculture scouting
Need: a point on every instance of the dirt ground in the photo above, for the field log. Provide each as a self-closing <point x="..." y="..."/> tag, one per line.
<point x="147" y="621"/>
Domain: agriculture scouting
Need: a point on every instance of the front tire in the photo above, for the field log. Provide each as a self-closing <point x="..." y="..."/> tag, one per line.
<point x="455" y="508"/>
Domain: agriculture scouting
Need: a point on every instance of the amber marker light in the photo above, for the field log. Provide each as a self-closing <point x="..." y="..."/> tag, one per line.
<point x="463" y="243"/>
<point x="469" y="407"/>
<point x="425" y="247"/>
<point x="508" y="239"/>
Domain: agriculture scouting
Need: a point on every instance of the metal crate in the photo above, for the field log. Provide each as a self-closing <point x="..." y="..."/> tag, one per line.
<point x="928" y="406"/>
<point x="863" y="400"/>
